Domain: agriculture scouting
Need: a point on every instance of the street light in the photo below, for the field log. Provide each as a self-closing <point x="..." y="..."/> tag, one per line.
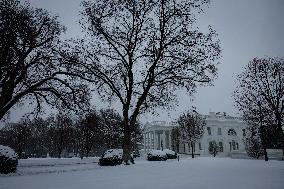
<point x="263" y="141"/>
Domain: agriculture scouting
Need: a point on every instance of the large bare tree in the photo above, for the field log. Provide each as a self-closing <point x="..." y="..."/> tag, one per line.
<point x="259" y="96"/>
<point x="140" y="52"/>
<point x="29" y="64"/>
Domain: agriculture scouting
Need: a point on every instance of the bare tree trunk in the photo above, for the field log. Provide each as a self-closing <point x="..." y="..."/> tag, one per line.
<point x="265" y="154"/>
<point x="126" y="141"/>
<point x="59" y="152"/>
<point x="281" y="137"/>
<point x="192" y="153"/>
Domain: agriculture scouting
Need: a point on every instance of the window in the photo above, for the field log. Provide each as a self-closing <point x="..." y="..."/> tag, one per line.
<point x="199" y="144"/>
<point x="237" y="146"/>
<point x="232" y="132"/>
<point x="219" y="131"/>
<point x="244" y="132"/>
<point x="209" y="130"/>
<point x="210" y="144"/>
<point x="221" y="146"/>
<point x="234" y="145"/>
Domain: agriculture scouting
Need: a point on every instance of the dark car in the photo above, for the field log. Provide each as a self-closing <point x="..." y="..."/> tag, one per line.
<point x="112" y="157"/>
<point x="170" y="154"/>
<point x="156" y="155"/>
<point x="8" y="160"/>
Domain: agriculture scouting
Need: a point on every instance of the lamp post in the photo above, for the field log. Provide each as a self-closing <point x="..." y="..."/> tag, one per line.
<point x="262" y="132"/>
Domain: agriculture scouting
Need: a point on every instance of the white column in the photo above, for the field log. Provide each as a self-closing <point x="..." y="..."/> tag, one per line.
<point x="152" y="140"/>
<point x="164" y="139"/>
<point x="148" y="144"/>
<point x="155" y="140"/>
<point x="144" y="142"/>
<point x="170" y="139"/>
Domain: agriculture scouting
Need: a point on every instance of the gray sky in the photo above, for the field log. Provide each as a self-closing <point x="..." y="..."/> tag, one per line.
<point x="246" y="28"/>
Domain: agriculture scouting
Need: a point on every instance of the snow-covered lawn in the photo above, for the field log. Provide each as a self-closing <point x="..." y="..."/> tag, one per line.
<point x="201" y="173"/>
<point x="34" y="166"/>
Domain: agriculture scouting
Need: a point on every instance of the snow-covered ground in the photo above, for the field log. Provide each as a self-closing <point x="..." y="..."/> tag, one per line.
<point x="198" y="173"/>
<point x="33" y="166"/>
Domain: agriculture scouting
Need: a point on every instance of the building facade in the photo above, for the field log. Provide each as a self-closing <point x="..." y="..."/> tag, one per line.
<point x="226" y="131"/>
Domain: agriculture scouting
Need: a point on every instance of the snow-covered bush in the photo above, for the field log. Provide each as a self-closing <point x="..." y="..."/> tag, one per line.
<point x="156" y="155"/>
<point x="112" y="157"/>
<point x="8" y="160"/>
<point x="170" y="154"/>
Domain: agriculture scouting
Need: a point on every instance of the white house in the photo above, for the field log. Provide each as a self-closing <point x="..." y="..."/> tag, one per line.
<point x="226" y="131"/>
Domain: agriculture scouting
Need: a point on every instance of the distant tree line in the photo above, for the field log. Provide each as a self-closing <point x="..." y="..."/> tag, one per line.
<point x="61" y="136"/>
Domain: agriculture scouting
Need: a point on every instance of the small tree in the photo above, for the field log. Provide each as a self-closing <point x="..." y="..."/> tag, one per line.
<point x="176" y="138"/>
<point x="213" y="148"/>
<point x="192" y="127"/>
<point x="17" y="136"/>
<point x="60" y="134"/>
<point x="111" y="128"/>
<point x="88" y="133"/>
<point x="252" y="142"/>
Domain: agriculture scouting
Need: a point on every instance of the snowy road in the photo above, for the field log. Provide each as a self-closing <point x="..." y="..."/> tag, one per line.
<point x="199" y="173"/>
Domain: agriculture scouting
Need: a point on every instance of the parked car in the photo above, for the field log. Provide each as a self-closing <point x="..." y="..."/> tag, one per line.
<point x="8" y="160"/>
<point x="156" y="155"/>
<point x="112" y="157"/>
<point x="170" y="154"/>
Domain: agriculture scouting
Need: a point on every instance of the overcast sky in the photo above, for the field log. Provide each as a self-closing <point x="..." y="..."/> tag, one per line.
<point x="246" y="28"/>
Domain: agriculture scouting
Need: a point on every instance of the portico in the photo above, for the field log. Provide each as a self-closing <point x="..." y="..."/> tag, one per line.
<point x="157" y="135"/>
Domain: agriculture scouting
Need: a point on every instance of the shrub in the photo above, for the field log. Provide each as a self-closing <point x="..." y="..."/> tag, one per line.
<point x="170" y="154"/>
<point x="156" y="155"/>
<point x="113" y="157"/>
<point x="8" y="160"/>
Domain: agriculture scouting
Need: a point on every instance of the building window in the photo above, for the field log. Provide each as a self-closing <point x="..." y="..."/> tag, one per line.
<point x="210" y="144"/>
<point x="199" y="144"/>
<point x="234" y="145"/>
<point x="244" y="132"/>
<point x="184" y="148"/>
<point x="237" y="146"/>
<point x="232" y="132"/>
<point x="219" y="131"/>
<point x="209" y="130"/>
<point x="220" y="146"/>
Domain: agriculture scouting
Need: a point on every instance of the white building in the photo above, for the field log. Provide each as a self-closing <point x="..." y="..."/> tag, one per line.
<point x="226" y="131"/>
